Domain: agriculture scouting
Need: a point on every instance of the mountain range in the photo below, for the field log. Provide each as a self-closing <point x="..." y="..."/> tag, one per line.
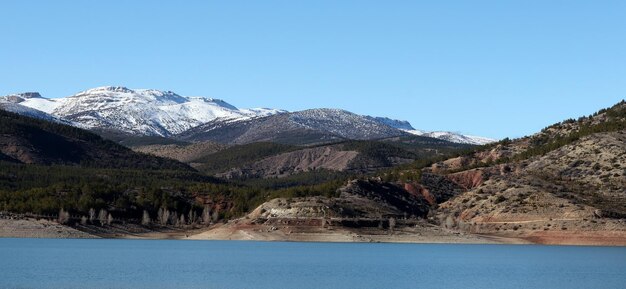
<point x="149" y="112"/>
<point x="315" y="171"/>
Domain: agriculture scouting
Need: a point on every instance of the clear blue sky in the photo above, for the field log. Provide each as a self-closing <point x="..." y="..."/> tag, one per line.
<point x="489" y="68"/>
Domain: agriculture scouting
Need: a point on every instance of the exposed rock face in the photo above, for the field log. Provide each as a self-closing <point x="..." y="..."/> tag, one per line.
<point x="367" y="203"/>
<point x="418" y="190"/>
<point x="326" y="157"/>
<point x="20" y="97"/>
<point x="549" y="187"/>
<point x="388" y="195"/>
<point x="184" y="153"/>
<point x="30" y="95"/>
<point x="596" y="162"/>
<point x="468" y="179"/>
<point x="576" y="188"/>
<point x="440" y="187"/>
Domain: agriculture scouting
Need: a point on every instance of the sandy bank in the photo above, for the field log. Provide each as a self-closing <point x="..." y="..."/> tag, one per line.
<point x="30" y="228"/>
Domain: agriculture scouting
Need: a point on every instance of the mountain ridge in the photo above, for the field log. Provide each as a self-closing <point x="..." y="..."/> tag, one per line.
<point x="165" y="113"/>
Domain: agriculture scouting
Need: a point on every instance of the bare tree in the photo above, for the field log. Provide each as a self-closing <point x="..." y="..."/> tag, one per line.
<point x="181" y="221"/>
<point x="206" y="215"/>
<point x="163" y="216"/>
<point x="166" y="216"/>
<point x="92" y="215"/>
<point x="64" y="217"/>
<point x="160" y="216"/>
<point x="216" y="215"/>
<point x="173" y="219"/>
<point x="83" y="220"/>
<point x="392" y="224"/>
<point x="109" y="219"/>
<point x="191" y="216"/>
<point x="145" y="219"/>
<point x="102" y="216"/>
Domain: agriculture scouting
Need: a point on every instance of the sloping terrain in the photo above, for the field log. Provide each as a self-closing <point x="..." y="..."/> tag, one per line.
<point x="289" y="163"/>
<point x="564" y="184"/>
<point x="273" y="160"/>
<point x="139" y="111"/>
<point x="121" y="113"/>
<point x="312" y="126"/>
<point x="186" y="153"/>
<point x="34" y="141"/>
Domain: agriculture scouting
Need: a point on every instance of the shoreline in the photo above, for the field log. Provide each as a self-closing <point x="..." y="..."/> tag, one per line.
<point x="30" y="228"/>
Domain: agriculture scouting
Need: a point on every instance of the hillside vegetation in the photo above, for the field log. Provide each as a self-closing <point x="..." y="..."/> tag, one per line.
<point x="33" y="141"/>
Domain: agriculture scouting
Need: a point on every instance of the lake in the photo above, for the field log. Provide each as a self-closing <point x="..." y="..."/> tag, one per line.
<point x="78" y="263"/>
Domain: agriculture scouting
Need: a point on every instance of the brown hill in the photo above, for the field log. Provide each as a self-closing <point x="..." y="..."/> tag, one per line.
<point x="186" y="153"/>
<point x="34" y="141"/>
<point x="566" y="184"/>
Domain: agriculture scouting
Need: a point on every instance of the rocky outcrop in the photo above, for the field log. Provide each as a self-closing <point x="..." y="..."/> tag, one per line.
<point x="467" y="179"/>
<point x="388" y="194"/>
<point x="418" y="190"/>
<point x="440" y="187"/>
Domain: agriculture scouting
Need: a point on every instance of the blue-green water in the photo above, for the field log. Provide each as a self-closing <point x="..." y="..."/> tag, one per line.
<point x="55" y="263"/>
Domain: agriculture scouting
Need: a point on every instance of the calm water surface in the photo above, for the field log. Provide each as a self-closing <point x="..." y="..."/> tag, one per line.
<point x="54" y="263"/>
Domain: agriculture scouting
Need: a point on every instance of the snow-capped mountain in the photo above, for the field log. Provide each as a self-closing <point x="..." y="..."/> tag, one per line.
<point x="165" y="113"/>
<point x="399" y="124"/>
<point x="444" y="135"/>
<point x="342" y="123"/>
<point x="14" y="103"/>
<point x="310" y="126"/>
<point x="453" y="137"/>
<point x="139" y="111"/>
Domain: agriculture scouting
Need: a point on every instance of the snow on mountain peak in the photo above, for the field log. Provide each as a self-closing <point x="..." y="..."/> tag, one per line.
<point x="121" y="89"/>
<point x="165" y="113"/>
<point x="444" y="135"/>
<point x="139" y="111"/>
<point x="453" y="137"/>
<point x="342" y="123"/>
<point x="28" y="95"/>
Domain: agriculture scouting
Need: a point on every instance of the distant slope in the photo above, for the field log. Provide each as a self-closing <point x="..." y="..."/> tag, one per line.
<point x="46" y="167"/>
<point x="117" y="110"/>
<point x="356" y="157"/>
<point x="273" y="160"/>
<point x="139" y="111"/>
<point x="12" y="104"/>
<point x="312" y="126"/>
<point x="453" y="137"/>
<point x="239" y="155"/>
<point x="187" y="153"/>
<point x="443" y="135"/>
<point x="35" y="141"/>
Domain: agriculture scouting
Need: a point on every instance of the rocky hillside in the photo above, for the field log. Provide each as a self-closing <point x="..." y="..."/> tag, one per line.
<point x="361" y="203"/>
<point x="354" y="157"/>
<point x="563" y="185"/>
<point x="567" y="181"/>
